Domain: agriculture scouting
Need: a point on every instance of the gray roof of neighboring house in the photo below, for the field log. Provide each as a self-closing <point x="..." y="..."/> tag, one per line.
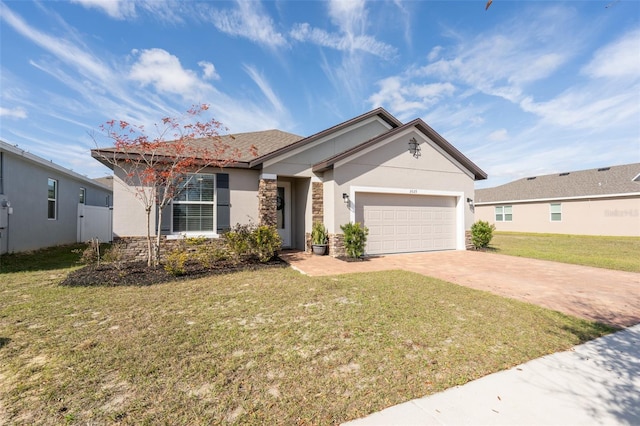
<point x="601" y="182"/>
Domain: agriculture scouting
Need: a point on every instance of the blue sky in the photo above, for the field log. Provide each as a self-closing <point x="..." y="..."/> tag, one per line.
<point x="522" y="89"/>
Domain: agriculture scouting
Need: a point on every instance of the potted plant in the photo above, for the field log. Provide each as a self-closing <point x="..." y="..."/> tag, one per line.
<point x="319" y="238"/>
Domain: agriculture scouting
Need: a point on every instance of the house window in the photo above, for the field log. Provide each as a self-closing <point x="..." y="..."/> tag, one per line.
<point x="83" y="194"/>
<point x="194" y="207"/>
<point x="556" y="212"/>
<point x="52" y="199"/>
<point x="504" y="213"/>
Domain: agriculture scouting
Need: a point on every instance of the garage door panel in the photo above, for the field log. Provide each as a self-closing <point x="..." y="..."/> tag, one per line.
<point x="405" y="223"/>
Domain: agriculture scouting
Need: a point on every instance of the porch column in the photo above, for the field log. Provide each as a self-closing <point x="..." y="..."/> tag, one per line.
<point x="268" y="199"/>
<point x="317" y="202"/>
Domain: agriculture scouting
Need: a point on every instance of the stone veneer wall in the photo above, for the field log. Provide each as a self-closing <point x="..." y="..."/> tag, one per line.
<point x="317" y="209"/>
<point x="336" y="245"/>
<point x="467" y="240"/>
<point x="135" y="248"/>
<point x="267" y="202"/>
<point x="317" y="203"/>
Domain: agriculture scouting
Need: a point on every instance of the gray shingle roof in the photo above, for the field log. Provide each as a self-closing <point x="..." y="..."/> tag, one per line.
<point x="265" y="141"/>
<point x="582" y="183"/>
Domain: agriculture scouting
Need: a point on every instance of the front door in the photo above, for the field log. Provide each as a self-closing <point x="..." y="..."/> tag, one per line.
<point x="284" y="213"/>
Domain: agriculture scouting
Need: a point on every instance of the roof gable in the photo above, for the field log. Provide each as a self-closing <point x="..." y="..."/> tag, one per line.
<point x="420" y="125"/>
<point x="614" y="180"/>
<point x="378" y="112"/>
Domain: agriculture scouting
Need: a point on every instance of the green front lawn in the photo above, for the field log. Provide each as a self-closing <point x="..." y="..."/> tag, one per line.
<point x="264" y="347"/>
<point x="621" y="253"/>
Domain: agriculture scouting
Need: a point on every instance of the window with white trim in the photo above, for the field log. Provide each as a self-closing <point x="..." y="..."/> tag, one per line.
<point x="504" y="213"/>
<point x="555" y="211"/>
<point x="52" y="199"/>
<point x="193" y="210"/>
<point x="83" y="195"/>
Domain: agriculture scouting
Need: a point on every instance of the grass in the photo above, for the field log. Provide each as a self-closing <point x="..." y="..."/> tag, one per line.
<point x="268" y="347"/>
<point x="620" y="253"/>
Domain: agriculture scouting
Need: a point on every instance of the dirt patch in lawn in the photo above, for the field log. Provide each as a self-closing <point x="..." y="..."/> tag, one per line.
<point x="139" y="274"/>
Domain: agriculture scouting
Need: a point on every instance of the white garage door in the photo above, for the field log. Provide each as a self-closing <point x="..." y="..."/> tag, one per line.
<point x="407" y="223"/>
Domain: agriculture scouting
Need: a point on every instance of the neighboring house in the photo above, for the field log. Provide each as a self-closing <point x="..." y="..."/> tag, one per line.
<point x="405" y="182"/>
<point x="41" y="203"/>
<point x="604" y="201"/>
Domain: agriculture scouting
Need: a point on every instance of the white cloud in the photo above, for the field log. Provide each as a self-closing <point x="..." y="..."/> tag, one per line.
<point x="117" y="9"/>
<point x="499" y="135"/>
<point x="209" y="71"/>
<point x="618" y="59"/>
<point x="17" y="112"/>
<point x="163" y="71"/>
<point x="407" y="99"/>
<point x="264" y="86"/>
<point x="94" y="91"/>
<point x="588" y="107"/>
<point x="351" y="19"/>
<point x="164" y="10"/>
<point x="83" y="61"/>
<point x="304" y="32"/>
<point x="504" y="60"/>
<point x="434" y="53"/>
<point x="250" y="21"/>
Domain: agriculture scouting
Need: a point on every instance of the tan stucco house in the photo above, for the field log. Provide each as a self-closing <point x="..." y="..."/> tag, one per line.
<point x="603" y="201"/>
<point x="405" y="182"/>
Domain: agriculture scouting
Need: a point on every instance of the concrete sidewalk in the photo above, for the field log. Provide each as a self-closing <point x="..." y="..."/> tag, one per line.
<point x="597" y="383"/>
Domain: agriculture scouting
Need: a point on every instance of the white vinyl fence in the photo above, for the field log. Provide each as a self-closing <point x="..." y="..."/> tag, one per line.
<point x="95" y="222"/>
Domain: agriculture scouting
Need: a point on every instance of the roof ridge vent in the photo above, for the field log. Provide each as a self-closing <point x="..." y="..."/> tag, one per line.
<point x="564" y="174"/>
<point x="531" y="178"/>
<point x="604" y="169"/>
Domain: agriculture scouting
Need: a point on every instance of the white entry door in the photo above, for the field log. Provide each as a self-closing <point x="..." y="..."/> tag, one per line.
<point x="284" y="213"/>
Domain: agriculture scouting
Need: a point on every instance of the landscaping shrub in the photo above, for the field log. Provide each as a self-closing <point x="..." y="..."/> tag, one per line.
<point x="175" y="262"/>
<point x="481" y="234"/>
<point x="238" y="240"/>
<point x="266" y="242"/>
<point x="91" y="254"/>
<point x="248" y="240"/>
<point x="115" y="255"/>
<point x="355" y="238"/>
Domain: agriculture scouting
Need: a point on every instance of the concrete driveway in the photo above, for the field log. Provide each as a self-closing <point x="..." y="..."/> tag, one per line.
<point x="611" y="297"/>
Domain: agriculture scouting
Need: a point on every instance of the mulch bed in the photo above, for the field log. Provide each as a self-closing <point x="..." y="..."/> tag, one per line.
<point x="139" y="274"/>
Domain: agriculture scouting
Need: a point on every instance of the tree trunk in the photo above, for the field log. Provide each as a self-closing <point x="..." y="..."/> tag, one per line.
<point x="158" y="232"/>
<point x="149" y="250"/>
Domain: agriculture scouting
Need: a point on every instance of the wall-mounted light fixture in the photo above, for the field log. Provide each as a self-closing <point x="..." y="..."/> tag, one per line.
<point x="345" y="197"/>
<point x="414" y="147"/>
<point x="470" y="201"/>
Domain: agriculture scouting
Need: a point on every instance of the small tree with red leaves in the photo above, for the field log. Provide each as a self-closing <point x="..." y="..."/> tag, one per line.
<point x="155" y="169"/>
